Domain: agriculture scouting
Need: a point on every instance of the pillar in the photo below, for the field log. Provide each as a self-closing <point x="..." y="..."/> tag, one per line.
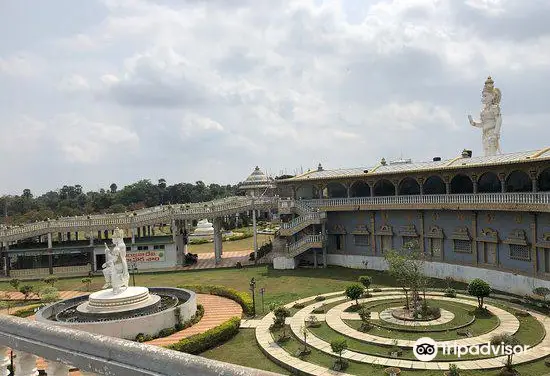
<point x="447" y="187"/>
<point x="474" y="183"/>
<point x="534" y="182"/>
<point x="474" y="237"/>
<point x="76" y="235"/>
<point x="348" y="190"/>
<point x="502" y="179"/>
<point x="173" y="228"/>
<point x="4" y="360"/>
<point x="534" y="256"/>
<point x="144" y="231"/>
<point x="139" y="232"/>
<point x="68" y="236"/>
<point x="50" y="240"/>
<point x="133" y="235"/>
<point x="91" y="238"/>
<point x="186" y="228"/>
<point x="323" y="232"/>
<point x="149" y="230"/>
<point x="57" y="369"/>
<point x="217" y="223"/>
<point x="255" y="236"/>
<point x="315" y="258"/>
<point x="25" y="364"/>
<point x="99" y="234"/>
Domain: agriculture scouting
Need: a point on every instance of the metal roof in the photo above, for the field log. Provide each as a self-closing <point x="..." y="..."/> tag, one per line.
<point x="458" y="162"/>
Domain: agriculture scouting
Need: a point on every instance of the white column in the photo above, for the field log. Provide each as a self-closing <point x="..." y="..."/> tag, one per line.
<point x="4" y="360"/>
<point x="25" y="364"/>
<point x="133" y="235"/>
<point x="91" y="238"/>
<point x="57" y="369"/>
<point x="254" y="232"/>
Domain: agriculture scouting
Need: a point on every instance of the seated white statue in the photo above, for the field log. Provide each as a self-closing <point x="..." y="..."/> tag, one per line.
<point x="115" y="268"/>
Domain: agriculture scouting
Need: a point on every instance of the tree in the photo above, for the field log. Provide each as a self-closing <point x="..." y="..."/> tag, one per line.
<point x="506" y="339"/>
<point x="281" y="313"/>
<point x="364" y="315"/>
<point x="480" y="289"/>
<point x="113" y="187"/>
<point x="15" y="284"/>
<point x="354" y="292"/>
<point x="51" y="280"/>
<point x="304" y="332"/>
<point x="408" y="270"/>
<point x="27" y="194"/>
<point x="49" y="294"/>
<point x="86" y="282"/>
<point x="26" y="290"/>
<point x="366" y="281"/>
<point x="338" y="346"/>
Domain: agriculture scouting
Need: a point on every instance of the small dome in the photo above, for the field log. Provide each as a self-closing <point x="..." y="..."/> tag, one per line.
<point x="257" y="179"/>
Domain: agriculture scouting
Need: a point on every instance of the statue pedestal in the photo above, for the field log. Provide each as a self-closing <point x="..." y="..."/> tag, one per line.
<point x="106" y="302"/>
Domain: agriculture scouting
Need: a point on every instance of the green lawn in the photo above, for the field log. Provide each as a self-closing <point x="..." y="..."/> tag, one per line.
<point x="246" y="244"/>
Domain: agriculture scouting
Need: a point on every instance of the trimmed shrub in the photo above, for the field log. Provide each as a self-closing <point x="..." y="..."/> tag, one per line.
<point x="211" y="338"/>
<point x="298" y="306"/>
<point x="320" y="298"/>
<point x="450" y="292"/>
<point x="26" y="312"/>
<point x="169" y="331"/>
<point x="244" y="299"/>
<point x="376" y="289"/>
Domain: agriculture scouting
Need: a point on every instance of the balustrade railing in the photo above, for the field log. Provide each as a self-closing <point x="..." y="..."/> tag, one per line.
<point x="541" y="198"/>
<point x="304" y="243"/>
<point x="66" y="348"/>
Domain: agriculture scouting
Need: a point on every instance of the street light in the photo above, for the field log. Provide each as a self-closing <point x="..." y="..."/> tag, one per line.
<point x="252" y="288"/>
<point x="134" y="271"/>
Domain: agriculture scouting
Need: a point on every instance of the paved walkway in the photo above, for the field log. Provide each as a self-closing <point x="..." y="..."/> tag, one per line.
<point x="229" y="259"/>
<point x="277" y="353"/>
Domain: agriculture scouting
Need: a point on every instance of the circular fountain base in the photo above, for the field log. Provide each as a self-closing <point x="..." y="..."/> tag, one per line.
<point x="107" y="302"/>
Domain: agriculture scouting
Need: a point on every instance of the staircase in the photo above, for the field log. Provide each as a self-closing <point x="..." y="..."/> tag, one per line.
<point x="307" y="216"/>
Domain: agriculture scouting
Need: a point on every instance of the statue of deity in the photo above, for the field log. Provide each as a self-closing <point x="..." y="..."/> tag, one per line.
<point x="115" y="268"/>
<point x="490" y="118"/>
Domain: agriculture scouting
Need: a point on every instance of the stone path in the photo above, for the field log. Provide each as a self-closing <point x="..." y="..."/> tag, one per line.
<point x="386" y="315"/>
<point x="278" y="354"/>
<point x="229" y="259"/>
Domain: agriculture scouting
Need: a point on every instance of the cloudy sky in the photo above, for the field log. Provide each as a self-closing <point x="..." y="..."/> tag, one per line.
<point x="95" y="92"/>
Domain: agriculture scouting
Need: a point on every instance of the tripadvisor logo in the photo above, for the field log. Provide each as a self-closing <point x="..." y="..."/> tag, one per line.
<point x="425" y="349"/>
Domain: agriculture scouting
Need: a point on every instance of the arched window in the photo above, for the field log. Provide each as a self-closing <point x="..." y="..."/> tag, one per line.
<point x="518" y="181"/>
<point x="488" y="183"/>
<point x="360" y="189"/>
<point x="544" y="180"/>
<point x="462" y="184"/>
<point x="336" y="190"/>
<point x="409" y="186"/>
<point x="434" y="185"/>
<point x="384" y="187"/>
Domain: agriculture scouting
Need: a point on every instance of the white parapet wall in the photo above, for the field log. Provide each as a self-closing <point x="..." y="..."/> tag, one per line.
<point x="499" y="280"/>
<point x="284" y="263"/>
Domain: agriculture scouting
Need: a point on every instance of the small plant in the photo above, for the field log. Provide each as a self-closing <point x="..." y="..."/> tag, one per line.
<point x="86" y="282"/>
<point x="376" y="289"/>
<point x="15" y="284"/>
<point x="506" y="339"/>
<point x="366" y="281"/>
<point x="51" y="280"/>
<point x="453" y="370"/>
<point x="281" y="313"/>
<point x="364" y="315"/>
<point x="304" y="332"/>
<point x="450" y="292"/>
<point x="320" y="309"/>
<point x="26" y="290"/>
<point x="298" y="306"/>
<point x="449" y="281"/>
<point x="313" y="321"/>
<point x="480" y="289"/>
<point x="338" y="346"/>
<point x="48" y="294"/>
<point x="319" y="298"/>
<point x="354" y="292"/>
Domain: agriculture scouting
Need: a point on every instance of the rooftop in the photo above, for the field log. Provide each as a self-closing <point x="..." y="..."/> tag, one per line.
<point x="395" y="168"/>
<point x="257" y="179"/>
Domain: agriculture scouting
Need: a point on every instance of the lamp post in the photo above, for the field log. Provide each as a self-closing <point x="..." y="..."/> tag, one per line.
<point x="134" y="270"/>
<point x="252" y="289"/>
<point x="262" y="291"/>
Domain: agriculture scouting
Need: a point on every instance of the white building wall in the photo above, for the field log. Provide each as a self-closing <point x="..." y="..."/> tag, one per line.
<point x="503" y="281"/>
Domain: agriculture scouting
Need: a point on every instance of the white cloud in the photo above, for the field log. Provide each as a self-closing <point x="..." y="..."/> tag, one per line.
<point x="20" y="65"/>
<point x="194" y="125"/>
<point x="73" y="83"/>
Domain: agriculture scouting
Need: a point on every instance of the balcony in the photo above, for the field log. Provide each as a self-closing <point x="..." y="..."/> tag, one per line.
<point x="538" y="202"/>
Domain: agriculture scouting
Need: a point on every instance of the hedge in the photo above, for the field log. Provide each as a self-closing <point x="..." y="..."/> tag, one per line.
<point x="243" y="298"/>
<point x="28" y="311"/>
<point x="141" y="337"/>
<point x="199" y="343"/>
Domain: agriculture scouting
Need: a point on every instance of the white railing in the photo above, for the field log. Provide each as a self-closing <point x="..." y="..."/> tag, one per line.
<point x="310" y="217"/>
<point x="479" y="198"/>
<point x="160" y="213"/>
<point x="66" y="348"/>
<point x="304" y="244"/>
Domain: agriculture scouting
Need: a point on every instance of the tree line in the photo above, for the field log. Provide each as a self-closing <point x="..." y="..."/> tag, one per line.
<point x="72" y="200"/>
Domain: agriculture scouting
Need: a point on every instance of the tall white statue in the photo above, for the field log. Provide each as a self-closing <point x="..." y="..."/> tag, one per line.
<point x="490" y="118"/>
<point x="115" y="268"/>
